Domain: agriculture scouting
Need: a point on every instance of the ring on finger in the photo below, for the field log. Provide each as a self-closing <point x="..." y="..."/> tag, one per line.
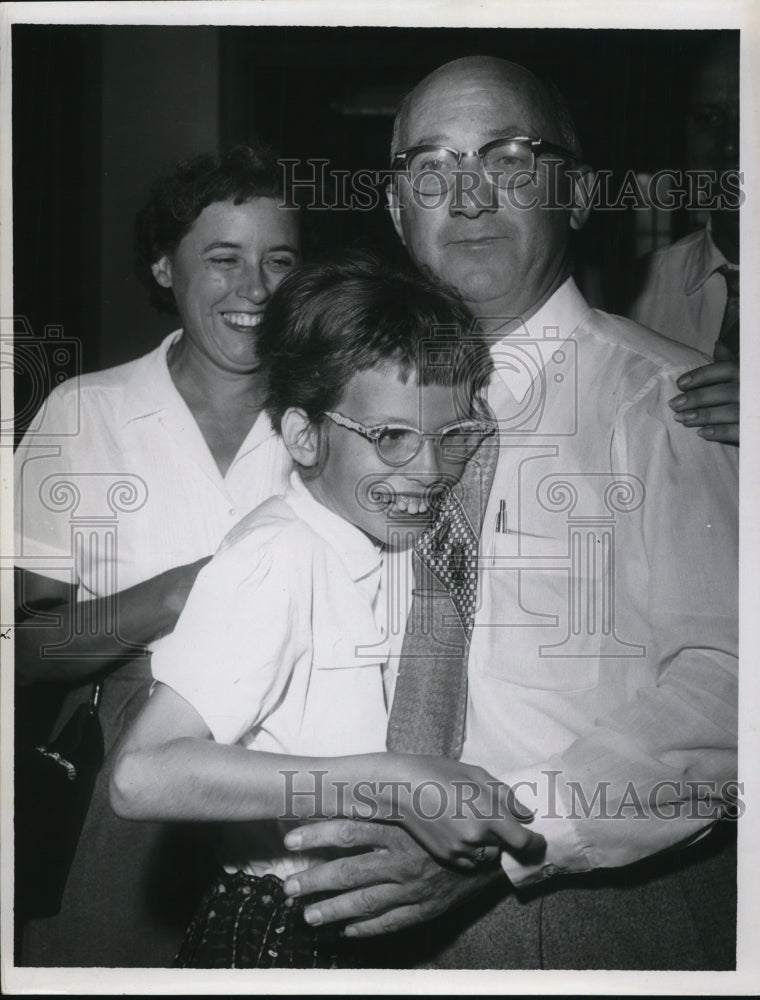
<point x="481" y="857"/>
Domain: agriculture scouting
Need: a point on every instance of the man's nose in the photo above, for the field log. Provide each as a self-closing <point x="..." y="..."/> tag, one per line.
<point x="472" y="192"/>
<point x="253" y="284"/>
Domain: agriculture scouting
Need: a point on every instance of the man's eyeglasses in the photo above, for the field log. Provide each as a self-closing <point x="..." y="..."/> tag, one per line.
<point x="397" y="444"/>
<point x="508" y="163"/>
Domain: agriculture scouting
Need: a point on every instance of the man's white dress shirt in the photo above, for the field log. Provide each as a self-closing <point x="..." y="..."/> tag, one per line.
<point x="603" y="661"/>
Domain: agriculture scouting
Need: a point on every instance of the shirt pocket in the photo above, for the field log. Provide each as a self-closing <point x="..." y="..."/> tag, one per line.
<point x="350" y="652"/>
<point x="346" y="636"/>
<point x="346" y="711"/>
<point x="542" y="627"/>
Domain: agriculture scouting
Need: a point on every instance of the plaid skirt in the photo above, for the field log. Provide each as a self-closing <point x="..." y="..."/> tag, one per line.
<point x="247" y="922"/>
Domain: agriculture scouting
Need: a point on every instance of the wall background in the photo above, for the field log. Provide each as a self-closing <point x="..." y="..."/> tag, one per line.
<point x="160" y="102"/>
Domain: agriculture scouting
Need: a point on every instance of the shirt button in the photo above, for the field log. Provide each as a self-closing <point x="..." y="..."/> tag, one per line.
<point x="232" y="511"/>
<point x="550" y="869"/>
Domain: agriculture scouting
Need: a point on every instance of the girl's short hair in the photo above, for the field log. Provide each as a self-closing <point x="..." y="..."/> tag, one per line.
<point x="330" y="320"/>
<point x="177" y="199"/>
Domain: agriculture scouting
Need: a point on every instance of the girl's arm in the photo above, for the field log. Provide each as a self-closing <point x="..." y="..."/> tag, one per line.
<point x="168" y="767"/>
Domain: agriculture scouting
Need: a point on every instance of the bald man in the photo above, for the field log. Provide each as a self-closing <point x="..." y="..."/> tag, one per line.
<point x="602" y="665"/>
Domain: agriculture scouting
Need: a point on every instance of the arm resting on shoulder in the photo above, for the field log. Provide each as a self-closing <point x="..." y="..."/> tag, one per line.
<point x="96" y="633"/>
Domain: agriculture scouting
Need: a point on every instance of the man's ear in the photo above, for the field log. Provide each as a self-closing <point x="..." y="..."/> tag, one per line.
<point x="582" y="187"/>
<point x="301" y="436"/>
<point x="394" y="204"/>
<point x="162" y="272"/>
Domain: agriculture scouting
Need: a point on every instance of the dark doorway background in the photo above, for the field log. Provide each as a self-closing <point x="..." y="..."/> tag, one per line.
<point x="322" y="92"/>
<point x="98" y="111"/>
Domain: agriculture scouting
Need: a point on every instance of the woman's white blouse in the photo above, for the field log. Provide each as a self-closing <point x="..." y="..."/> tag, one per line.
<point x="114" y="482"/>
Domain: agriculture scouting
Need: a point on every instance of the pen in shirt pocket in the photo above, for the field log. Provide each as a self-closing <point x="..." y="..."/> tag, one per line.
<point x="500" y="528"/>
<point x="501" y="519"/>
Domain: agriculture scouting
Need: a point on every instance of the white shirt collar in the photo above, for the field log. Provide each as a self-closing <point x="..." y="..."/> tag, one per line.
<point x="150" y="388"/>
<point x="704" y="259"/>
<point x="360" y="556"/>
<point x="520" y="356"/>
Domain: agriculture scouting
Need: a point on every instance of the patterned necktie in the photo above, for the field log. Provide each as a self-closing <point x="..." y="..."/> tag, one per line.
<point x="729" y="328"/>
<point x="428" y="711"/>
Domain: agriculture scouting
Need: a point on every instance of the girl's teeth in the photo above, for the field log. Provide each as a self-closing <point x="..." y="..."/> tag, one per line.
<point x="401" y="503"/>
<point x="411" y="505"/>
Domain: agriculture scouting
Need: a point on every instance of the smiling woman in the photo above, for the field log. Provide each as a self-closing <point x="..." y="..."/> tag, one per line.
<point x="219" y="271"/>
<point x="182" y="430"/>
<point x="222" y="274"/>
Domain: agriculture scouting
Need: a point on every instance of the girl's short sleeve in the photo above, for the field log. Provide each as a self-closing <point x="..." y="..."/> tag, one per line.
<point x="240" y="635"/>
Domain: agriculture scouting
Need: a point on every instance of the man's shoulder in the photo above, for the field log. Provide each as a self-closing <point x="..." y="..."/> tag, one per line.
<point x="633" y="343"/>
<point x="672" y="253"/>
<point x="662" y="273"/>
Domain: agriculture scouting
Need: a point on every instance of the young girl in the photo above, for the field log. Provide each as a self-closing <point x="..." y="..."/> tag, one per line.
<point x="271" y="701"/>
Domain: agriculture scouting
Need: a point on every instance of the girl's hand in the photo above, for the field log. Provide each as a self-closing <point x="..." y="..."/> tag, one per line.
<point x="461" y="814"/>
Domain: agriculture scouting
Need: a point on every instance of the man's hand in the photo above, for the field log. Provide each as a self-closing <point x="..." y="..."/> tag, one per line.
<point x="394" y="884"/>
<point x="710" y="398"/>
